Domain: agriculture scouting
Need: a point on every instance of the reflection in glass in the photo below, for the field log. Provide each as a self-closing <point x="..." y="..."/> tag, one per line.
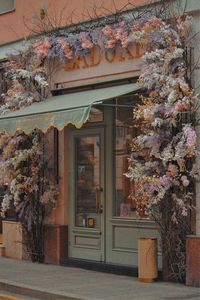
<point x="96" y="114"/>
<point x="124" y="133"/>
<point x="87" y="181"/>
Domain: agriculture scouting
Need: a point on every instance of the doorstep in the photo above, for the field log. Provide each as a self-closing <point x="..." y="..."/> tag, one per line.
<point x="103" y="267"/>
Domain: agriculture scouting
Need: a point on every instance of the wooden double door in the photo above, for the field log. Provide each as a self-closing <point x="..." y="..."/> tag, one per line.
<point x="95" y="232"/>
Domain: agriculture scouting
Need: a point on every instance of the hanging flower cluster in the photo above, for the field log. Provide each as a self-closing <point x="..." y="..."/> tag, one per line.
<point x="24" y="81"/>
<point x="27" y="72"/>
<point x="162" y="161"/>
<point x="23" y="176"/>
<point x="70" y="45"/>
<point x="146" y="30"/>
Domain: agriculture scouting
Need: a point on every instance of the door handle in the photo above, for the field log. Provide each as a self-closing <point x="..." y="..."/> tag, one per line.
<point x="99" y="208"/>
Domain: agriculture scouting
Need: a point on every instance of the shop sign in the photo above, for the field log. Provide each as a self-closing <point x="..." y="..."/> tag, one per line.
<point x="99" y="66"/>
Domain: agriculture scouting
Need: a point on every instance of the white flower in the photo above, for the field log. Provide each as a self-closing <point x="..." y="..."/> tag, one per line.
<point x="172" y="97"/>
<point x="41" y="80"/>
<point x="157" y="122"/>
<point x="5" y="204"/>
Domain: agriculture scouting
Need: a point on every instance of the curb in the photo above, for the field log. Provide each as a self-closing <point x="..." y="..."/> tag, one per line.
<point x="26" y="291"/>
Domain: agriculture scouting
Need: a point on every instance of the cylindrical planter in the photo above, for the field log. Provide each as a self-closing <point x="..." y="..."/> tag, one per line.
<point x="147" y="260"/>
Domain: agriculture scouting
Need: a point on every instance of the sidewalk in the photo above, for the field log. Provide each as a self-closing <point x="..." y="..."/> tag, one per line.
<point x="57" y="282"/>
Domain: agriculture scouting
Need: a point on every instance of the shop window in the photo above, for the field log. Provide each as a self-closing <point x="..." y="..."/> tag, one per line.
<point x="7" y="6"/>
<point x="124" y="206"/>
<point x="96" y="114"/>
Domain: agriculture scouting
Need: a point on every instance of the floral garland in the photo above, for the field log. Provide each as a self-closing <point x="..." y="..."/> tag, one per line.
<point x="21" y="163"/>
<point x="163" y="75"/>
<point x="162" y="162"/>
<point x="26" y="71"/>
<point x="167" y="140"/>
<point x="28" y="185"/>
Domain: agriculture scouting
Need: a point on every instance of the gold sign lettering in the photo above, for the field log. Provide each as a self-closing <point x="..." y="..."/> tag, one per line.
<point x="69" y="66"/>
<point x="110" y="55"/>
<point x="121" y="55"/>
<point x="130" y="54"/>
<point x="138" y="51"/>
<point x="96" y="56"/>
<point x="134" y="51"/>
<point x="81" y="62"/>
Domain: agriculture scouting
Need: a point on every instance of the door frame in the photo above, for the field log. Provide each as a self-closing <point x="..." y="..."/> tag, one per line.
<point x="95" y="237"/>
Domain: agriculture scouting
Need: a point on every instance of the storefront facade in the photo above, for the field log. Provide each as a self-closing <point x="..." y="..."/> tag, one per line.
<point x="95" y="203"/>
<point x="91" y="110"/>
<point x="102" y="223"/>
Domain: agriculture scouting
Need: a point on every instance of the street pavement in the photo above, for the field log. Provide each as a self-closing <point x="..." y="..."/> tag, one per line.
<point x="4" y="295"/>
<point x="42" y="281"/>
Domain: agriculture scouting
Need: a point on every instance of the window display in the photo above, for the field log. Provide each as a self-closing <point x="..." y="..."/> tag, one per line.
<point x="124" y="205"/>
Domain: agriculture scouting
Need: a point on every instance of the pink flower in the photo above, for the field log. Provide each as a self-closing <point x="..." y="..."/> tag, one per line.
<point x="121" y="35"/>
<point x="166" y="181"/>
<point x="66" y="48"/>
<point x="42" y="47"/>
<point x="111" y="36"/>
<point x="108" y="31"/>
<point x="136" y="27"/>
<point x="86" y="41"/>
<point x="185" y="181"/>
<point x="180" y="106"/>
<point x="155" y="21"/>
<point x="111" y="44"/>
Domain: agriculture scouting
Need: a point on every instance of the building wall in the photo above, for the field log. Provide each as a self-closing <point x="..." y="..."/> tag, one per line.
<point x="60" y="13"/>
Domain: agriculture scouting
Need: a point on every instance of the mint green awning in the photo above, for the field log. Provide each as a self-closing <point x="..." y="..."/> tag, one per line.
<point x="58" y="111"/>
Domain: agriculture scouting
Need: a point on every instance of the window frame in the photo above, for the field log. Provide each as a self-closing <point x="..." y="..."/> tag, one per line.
<point x="9" y="10"/>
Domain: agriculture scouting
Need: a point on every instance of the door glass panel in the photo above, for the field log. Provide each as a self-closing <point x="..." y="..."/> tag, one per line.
<point x="87" y="210"/>
<point x="124" y="203"/>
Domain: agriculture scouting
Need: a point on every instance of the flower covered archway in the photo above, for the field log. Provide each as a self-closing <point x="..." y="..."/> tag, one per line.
<point x="162" y="161"/>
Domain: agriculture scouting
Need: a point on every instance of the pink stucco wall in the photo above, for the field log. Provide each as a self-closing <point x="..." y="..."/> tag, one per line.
<point x="26" y="17"/>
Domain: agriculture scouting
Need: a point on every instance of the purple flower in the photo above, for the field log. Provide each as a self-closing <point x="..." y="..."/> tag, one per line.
<point x="157" y="38"/>
<point x="166" y="181"/>
<point x="185" y="181"/>
<point x="56" y="51"/>
<point x="153" y="188"/>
